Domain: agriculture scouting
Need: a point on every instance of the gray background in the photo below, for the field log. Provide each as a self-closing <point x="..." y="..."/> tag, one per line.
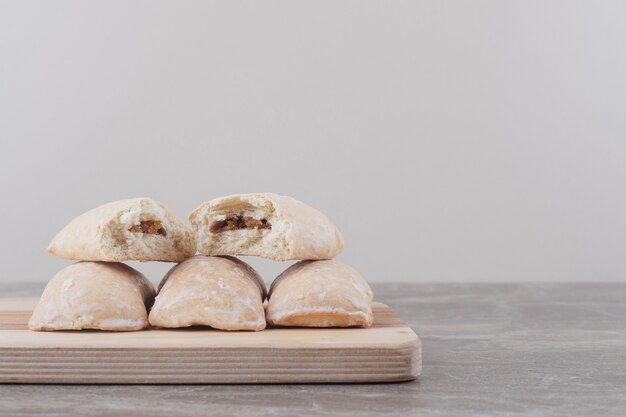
<point x="449" y="140"/>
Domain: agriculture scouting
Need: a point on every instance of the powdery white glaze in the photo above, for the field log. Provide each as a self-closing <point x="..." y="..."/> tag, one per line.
<point x="221" y="292"/>
<point x="94" y="295"/>
<point x="320" y="294"/>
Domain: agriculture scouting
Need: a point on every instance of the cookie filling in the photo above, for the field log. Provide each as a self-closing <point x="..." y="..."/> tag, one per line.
<point x="148" y="227"/>
<point x="238" y="223"/>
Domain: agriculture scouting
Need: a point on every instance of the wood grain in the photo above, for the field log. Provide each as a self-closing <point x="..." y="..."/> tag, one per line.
<point x="388" y="351"/>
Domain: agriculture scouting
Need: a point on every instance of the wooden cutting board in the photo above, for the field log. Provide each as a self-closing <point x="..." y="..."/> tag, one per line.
<point x="388" y="351"/>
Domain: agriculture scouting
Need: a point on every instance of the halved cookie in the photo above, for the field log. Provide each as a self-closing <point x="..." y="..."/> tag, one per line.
<point x="138" y="229"/>
<point x="221" y="292"/>
<point x="320" y="294"/>
<point x="94" y="295"/>
<point x="267" y="225"/>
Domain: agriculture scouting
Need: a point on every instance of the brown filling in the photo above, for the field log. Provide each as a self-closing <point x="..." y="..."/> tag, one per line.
<point x="149" y="227"/>
<point x="237" y="223"/>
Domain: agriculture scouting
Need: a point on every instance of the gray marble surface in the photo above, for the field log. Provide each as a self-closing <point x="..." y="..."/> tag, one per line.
<point x="488" y="350"/>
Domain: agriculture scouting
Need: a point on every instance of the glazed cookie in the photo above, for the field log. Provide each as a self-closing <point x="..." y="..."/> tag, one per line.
<point x="221" y="292"/>
<point x="320" y="294"/>
<point x="267" y="225"/>
<point x="138" y="229"/>
<point x="94" y="295"/>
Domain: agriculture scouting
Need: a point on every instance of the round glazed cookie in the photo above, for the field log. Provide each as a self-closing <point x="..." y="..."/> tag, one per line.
<point x="320" y="294"/>
<point x="94" y="295"/>
<point x="220" y="292"/>
<point x="264" y="224"/>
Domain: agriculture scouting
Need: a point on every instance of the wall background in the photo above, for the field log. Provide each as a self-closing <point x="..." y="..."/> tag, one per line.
<point x="449" y="140"/>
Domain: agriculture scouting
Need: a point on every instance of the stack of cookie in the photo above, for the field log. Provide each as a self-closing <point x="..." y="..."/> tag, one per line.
<point x="212" y="288"/>
<point x="100" y="292"/>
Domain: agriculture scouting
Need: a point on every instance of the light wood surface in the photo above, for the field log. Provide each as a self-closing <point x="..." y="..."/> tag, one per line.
<point x="388" y="351"/>
<point x="541" y="350"/>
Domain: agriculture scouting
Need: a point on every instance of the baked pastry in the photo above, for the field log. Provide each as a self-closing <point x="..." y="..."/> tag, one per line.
<point x="94" y="295"/>
<point x="267" y="225"/>
<point x="320" y="294"/>
<point x="138" y="229"/>
<point x="221" y="292"/>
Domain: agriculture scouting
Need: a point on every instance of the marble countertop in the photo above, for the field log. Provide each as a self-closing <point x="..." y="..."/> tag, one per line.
<point x="488" y="350"/>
